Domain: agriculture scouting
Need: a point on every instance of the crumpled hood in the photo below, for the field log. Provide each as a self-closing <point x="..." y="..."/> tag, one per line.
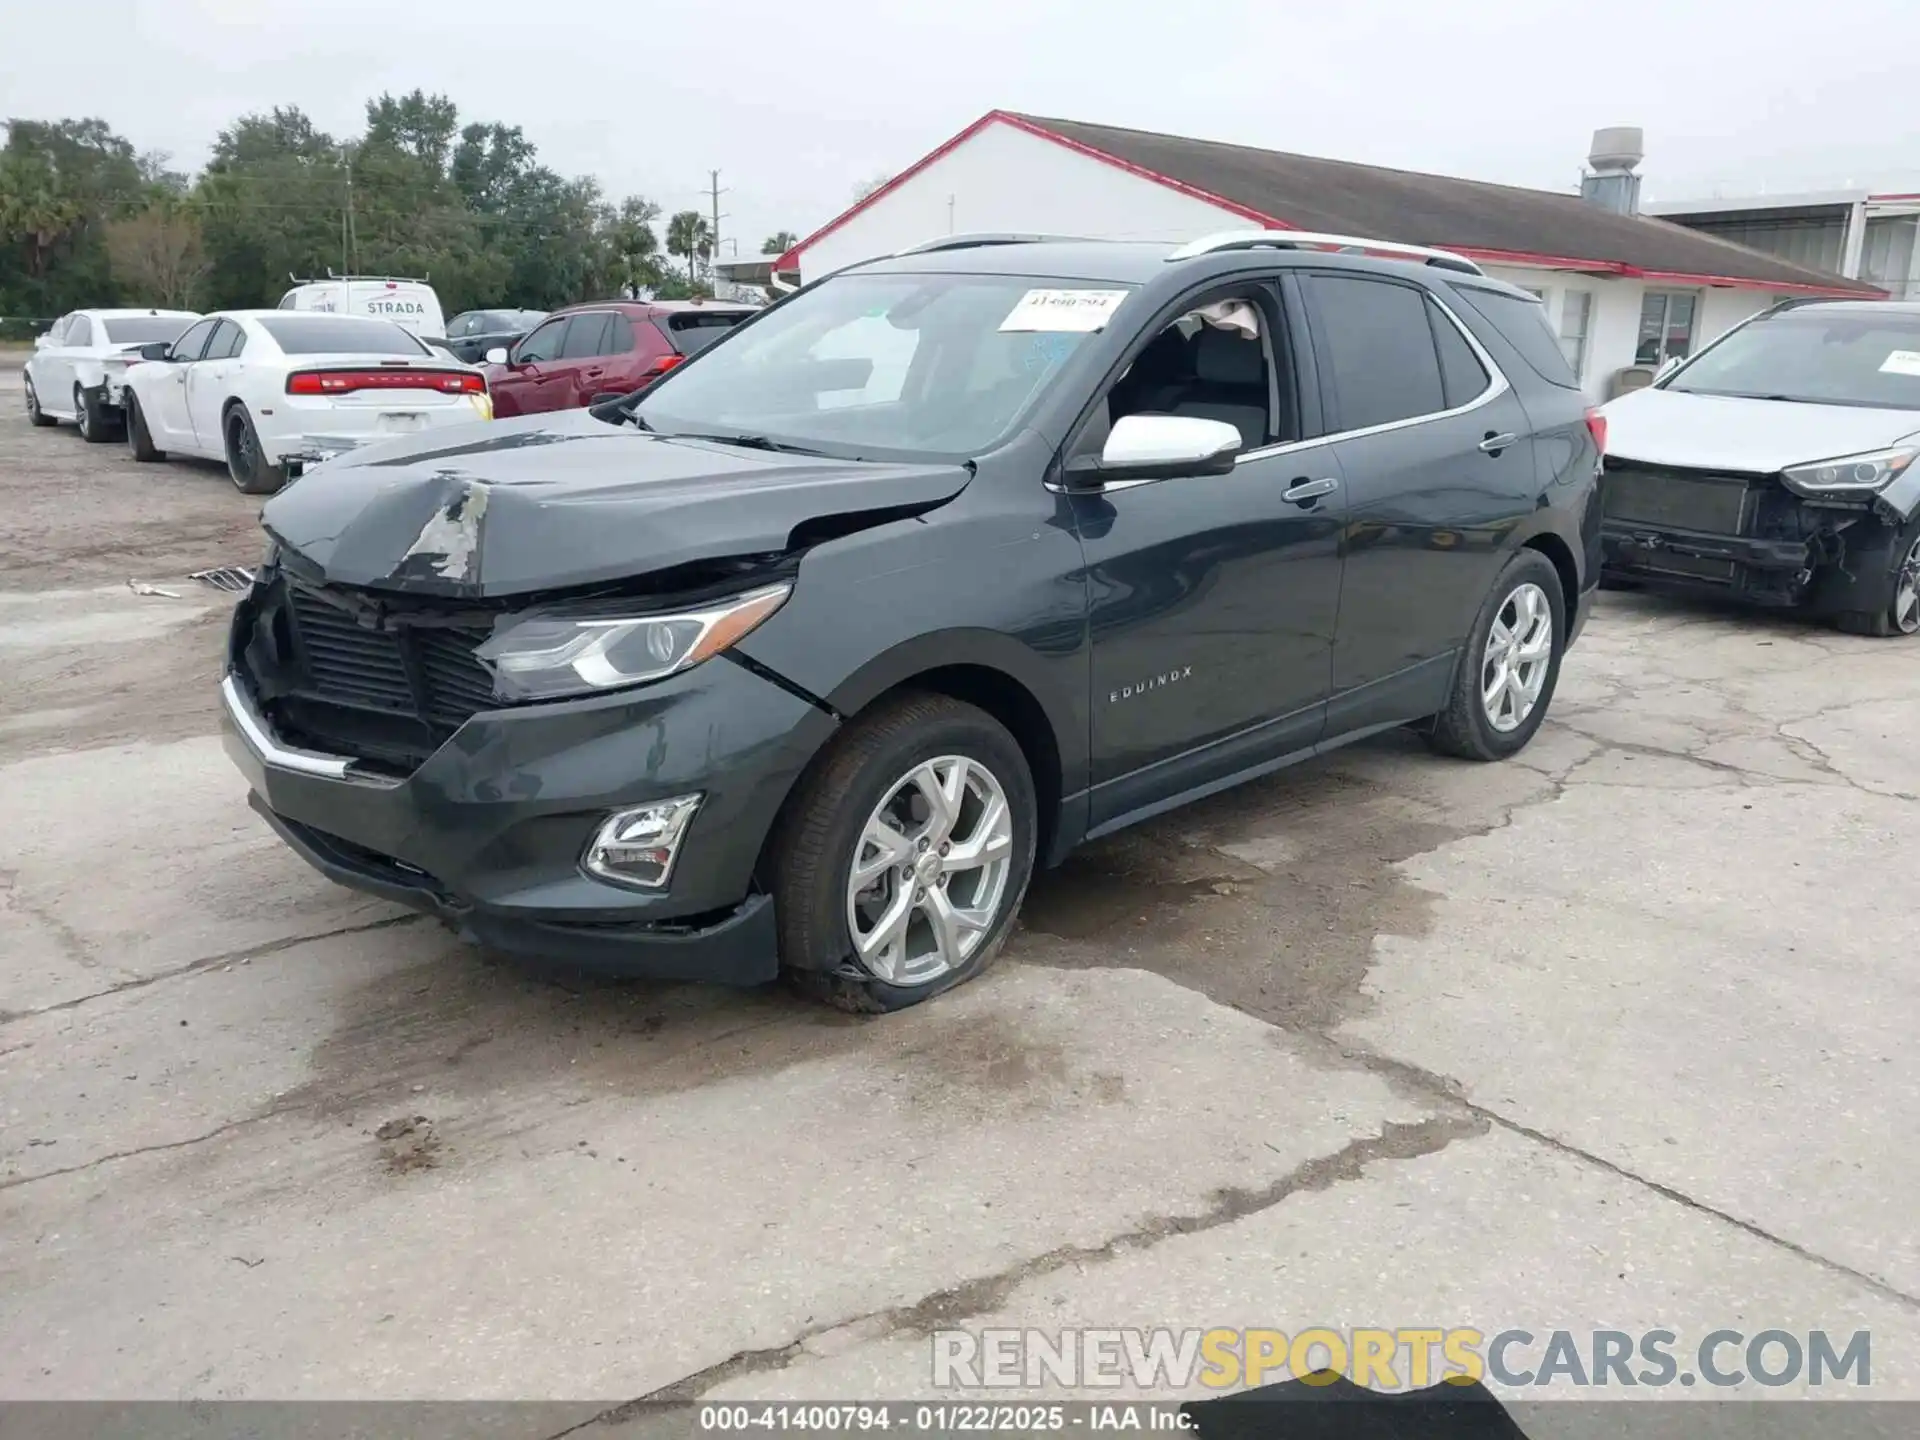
<point x="1757" y="437"/>
<point x="548" y="502"/>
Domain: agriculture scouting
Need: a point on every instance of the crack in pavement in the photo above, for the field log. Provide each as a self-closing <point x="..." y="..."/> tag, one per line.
<point x="945" y="1308"/>
<point x="207" y="962"/>
<point x="17" y="1181"/>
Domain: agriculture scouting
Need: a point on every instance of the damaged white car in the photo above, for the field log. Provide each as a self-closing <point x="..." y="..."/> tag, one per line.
<point x="272" y="392"/>
<point x="78" y="369"/>
<point x="1777" y="466"/>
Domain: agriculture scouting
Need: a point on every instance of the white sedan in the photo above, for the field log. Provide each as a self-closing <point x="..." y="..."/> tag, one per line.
<point x="78" y="368"/>
<point x="273" y="392"/>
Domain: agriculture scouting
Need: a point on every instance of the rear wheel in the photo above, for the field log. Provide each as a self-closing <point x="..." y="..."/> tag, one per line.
<point x="902" y="859"/>
<point x="91" y="416"/>
<point x="1505" y="680"/>
<point x="35" y="415"/>
<point x="246" y="463"/>
<point x="1901" y="614"/>
<point x="139" y="438"/>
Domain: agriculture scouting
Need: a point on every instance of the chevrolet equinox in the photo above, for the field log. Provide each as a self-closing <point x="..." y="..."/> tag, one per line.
<point x="803" y="656"/>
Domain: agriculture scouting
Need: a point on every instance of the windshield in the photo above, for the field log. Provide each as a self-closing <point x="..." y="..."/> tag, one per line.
<point x="339" y="335"/>
<point x="924" y="365"/>
<point x="1831" y="358"/>
<point x="145" y="329"/>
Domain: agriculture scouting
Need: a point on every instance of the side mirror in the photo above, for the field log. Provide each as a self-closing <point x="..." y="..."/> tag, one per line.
<point x="497" y="355"/>
<point x="154" y="350"/>
<point x="1158" y="447"/>
<point x="40" y="340"/>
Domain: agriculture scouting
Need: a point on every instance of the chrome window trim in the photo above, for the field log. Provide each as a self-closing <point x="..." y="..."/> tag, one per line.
<point x="1497" y="385"/>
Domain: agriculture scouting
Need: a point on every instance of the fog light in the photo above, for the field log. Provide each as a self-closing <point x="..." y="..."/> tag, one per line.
<point x="638" y="846"/>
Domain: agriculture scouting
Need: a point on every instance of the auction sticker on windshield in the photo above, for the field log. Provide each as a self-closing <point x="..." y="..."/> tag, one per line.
<point x="1900" y="362"/>
<point x="1064" y="311"/>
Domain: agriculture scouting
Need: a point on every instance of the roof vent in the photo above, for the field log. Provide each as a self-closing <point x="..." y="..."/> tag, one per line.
<point x="1612" y="185"/>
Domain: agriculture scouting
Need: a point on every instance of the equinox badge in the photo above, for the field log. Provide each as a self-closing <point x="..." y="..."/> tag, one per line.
<point x="1154" y="682"/>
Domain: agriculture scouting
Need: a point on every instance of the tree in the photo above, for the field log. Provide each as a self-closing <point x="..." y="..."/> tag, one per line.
<point x="779" y="242"/>
<point x="417" y="124"/>
<point x="60" y="183"/>
<point x="157" y="255"/>
<point x="869" y="185"/>
<point x="634" y="242"/>
<point x="690" y="235"/>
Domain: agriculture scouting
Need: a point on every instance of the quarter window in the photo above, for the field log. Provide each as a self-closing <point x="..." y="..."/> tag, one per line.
<point x="1379" y="350"/>
<point x="1666" y="327"/>
<point x="1461" y="373"/>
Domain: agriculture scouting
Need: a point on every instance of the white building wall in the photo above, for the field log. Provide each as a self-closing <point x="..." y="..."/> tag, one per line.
<point x="1004" y="178"/>
<point x="1007" y="179"/>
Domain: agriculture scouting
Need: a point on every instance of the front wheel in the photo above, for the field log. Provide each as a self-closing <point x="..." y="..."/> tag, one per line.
<point x="247" y="465"/>
<point x="1901" y="614"/>
<point x="901" y="860"/>
<point x="1505" y="679"/>
<point x="35" y="415"/>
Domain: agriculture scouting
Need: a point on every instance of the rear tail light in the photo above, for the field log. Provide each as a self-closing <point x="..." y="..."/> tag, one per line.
<point x="1597" y="427"/>
<point x="660" y="366"/>
<point x="345" y="382"/>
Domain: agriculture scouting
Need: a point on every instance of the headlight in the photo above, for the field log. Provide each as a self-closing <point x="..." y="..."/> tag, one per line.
<point x="543" y="657"/>
<point x="1861" y="473"/>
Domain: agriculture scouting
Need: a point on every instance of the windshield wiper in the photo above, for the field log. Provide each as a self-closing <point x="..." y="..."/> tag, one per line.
<point x="1752" y="395"/>
<point x="747" y="442"/>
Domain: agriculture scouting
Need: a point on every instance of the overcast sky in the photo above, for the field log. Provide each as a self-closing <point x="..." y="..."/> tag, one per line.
<point x="796" y="102"/>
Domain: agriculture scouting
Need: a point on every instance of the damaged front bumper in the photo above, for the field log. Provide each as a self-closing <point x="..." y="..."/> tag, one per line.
<point x="1749" y="538"/>
<point x="490" y="831"/>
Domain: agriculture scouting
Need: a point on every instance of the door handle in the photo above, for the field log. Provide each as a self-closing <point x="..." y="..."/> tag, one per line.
<point x="1494" y="444"/>
<point x="1305" y="492"/>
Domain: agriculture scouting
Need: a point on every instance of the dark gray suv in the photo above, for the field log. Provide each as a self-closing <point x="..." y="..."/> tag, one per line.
<point x="804" y="656"/>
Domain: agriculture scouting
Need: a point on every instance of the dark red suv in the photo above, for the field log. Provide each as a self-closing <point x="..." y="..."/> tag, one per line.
<point x="588" y="353"/>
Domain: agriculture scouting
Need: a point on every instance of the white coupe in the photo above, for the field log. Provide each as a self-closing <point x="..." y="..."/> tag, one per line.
<point x="79" y="367"/>
<point x="274" y="392"/>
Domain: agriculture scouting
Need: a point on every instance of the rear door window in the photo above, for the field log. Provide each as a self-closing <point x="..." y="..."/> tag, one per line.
<point x="1523" y="324"/>
<point x="619" y="336"/>
<point x="586" y="336"/>
<point x="1377" y="348"/>
<point x="80" y="332"/>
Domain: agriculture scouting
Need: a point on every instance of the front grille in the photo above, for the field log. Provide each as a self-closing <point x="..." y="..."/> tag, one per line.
<point x="1671" y="500"/>
<point x="391" y="696"/>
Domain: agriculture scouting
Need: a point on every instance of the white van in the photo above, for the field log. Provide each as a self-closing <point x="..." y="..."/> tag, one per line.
<point x="409" y="303"/>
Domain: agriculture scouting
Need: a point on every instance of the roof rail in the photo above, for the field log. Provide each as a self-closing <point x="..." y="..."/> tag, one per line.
<point x="1313" y="240"/>
<point x="384" y="279"/>
<point x="970" y="242"/>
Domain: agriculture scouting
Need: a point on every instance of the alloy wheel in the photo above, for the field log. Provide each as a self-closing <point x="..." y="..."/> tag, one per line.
<point x="1513" y="668"/>
<point x="80" y="419"/>
<point x="1906" y="593"/>
<point x="929" y="871"/>
<point x="240" y="447"/>
<point x="33" y="400"/>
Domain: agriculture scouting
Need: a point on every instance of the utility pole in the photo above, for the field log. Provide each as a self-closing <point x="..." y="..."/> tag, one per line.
<point x="715" y="193"/>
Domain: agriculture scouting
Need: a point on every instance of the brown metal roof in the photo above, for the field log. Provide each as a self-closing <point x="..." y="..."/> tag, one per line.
<point x="1488" y="221"/>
